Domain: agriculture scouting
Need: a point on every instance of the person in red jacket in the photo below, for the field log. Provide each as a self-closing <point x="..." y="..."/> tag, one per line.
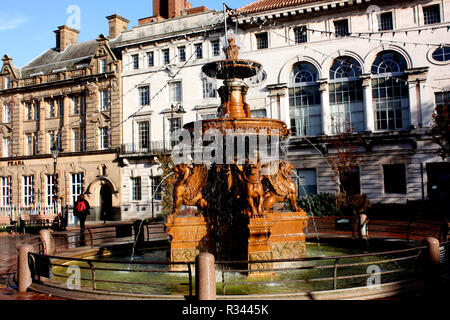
<point x="81" y="211"/>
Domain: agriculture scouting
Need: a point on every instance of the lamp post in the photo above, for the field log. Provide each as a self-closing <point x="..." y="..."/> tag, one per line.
<point x="55" y="154"/>
<point x="175" y="109"/>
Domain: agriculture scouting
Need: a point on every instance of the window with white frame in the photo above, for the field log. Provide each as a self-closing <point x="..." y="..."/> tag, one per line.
<point x="385" y="21"/>
<point x="7" y="83"/>
<point x="395" y="179"/>
<point x="104" y="100"/>
<point x="135" y="61"/>
<point x="441" y="54"/>
<point x="307" y="182"/>
<point x="301" y="34"/>
<point x="6" y="144"/>
<point x="346" y="96"/>
<point x="136" y="189"/>
<point x="208" y="116"/>
<point x="77" y="186"/>
<point x="79" y="139"/>
<point x="209" y="88"/>
<point x="7" y="113"/>
<point x="182" y="54"/>
<point x="60" y="103"/>
<point x="37" y="110"/>
<point x="52" y="108"/>
<point x="31" y="144"/>
<point x="103" y="66"/>
<point x="6" y="186"/>
<point x="144" y="135"/>
<point x="151" y="59"/>
<point x="28" y="191"/>
<point x="29" y="114"/>
<point x="305" y="100"/>
<point x="49" y="189"/>
<point x="104" y="138"/>
<point x="144" y="95"/>
<point x="390" y="92"/>
<point x="215" y="45"/>
<point x="175" y="124"/>
<point x="259" y="113"/>
<point x="262" y="40"/>
<point x="432" y="14"/>
<point x="442" y="98"/>
<point x="166" y="56"/>
<point x="54" y="139"/>
<point x="79" y="104"/>
<point x="176" y="94"/>
<point x="341" y="28"/>
<point x="199" y="51"/>
<point x="155" y="188"/>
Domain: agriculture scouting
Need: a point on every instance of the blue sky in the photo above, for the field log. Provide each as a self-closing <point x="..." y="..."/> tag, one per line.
<point x="26" y="26"/>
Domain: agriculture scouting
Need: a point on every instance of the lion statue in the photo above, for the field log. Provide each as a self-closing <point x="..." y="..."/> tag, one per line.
<point x="251" y="179"/>
<point x="188" y="188"/>
<point x="281" y="186"/>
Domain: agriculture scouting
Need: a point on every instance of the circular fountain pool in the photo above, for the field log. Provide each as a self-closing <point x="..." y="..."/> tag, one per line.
<point x="332" y="265"/>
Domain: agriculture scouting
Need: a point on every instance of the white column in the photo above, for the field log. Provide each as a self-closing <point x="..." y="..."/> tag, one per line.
<point x="416" y="76"/>
<point x="325" y="108"/>
<point x="368" y="104"/>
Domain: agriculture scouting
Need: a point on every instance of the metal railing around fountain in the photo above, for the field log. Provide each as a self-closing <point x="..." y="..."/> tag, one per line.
<point x="94" y="267"/>
<point x="332" y="266"/>
<point x="332" y="273"/>
<point x="109" y="234"/>
<point x="402" y="229"/>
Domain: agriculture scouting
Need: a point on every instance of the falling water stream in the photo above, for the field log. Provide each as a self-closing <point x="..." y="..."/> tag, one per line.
<point x="142" y="221"/>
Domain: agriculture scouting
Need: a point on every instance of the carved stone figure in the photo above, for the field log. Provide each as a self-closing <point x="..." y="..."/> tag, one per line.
<point x="232" y="51"/>
<point x="281" y="187"/>
<point x="251" y="178"/>
<point x="188" y="188"/>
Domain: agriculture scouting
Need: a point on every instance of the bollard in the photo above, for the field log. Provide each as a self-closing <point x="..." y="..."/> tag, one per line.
<point x="432" y="258"/>
<point x="47" y="239"/>
<point x="205" y="277"/>
<point x="24" y="273"/>
<point x="362" y="226"/>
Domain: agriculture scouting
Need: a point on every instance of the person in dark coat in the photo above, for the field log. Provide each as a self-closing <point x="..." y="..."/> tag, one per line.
<point x="81" y="211"/>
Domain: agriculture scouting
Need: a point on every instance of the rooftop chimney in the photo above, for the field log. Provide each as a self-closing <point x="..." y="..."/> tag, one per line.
<point x="65" y="36"/>
<point x="117" y="25"/>
<point x="170" y="8"/>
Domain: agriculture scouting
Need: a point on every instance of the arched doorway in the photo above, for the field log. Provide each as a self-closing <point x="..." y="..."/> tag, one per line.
<point x="106" y="212"/>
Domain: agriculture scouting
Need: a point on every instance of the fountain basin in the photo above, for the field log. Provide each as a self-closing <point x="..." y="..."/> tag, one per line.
<point x="247" y="126"/>
<point x="312" y="276"/>
<point x="233" y="68"/>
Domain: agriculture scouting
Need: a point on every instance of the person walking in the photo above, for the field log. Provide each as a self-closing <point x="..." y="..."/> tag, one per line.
<point x="81" y="211"/>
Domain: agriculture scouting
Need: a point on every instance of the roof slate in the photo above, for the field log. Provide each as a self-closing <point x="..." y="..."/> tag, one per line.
<point x="263" y="5"/>
<point x="50" y="60"/>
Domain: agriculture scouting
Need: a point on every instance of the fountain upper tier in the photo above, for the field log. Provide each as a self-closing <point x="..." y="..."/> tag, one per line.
<point x="234" y="112"/>
<point x="232" y="69"/>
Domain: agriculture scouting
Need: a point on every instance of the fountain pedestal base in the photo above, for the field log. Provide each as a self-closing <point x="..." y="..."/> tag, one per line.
<point x="278" y="236"/>
<point x="189" y="238"/>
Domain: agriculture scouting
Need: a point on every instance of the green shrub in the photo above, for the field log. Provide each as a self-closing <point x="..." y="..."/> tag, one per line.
<point x="320" y="205"/>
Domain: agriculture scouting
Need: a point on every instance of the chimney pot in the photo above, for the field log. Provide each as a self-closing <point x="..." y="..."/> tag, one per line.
<point x="117" y="25"/>
<point x="65" y="36"/>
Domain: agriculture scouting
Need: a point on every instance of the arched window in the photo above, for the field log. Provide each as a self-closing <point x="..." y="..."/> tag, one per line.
<point x="390" y="92"/>
<point x="346" y="96"/>
<point x="304" y="100"/>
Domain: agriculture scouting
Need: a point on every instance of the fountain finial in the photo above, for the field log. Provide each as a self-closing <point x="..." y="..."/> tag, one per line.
<point x="232" y="51"/>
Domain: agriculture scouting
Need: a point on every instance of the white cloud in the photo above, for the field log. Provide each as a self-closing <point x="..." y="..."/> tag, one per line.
<point x="11" y="21"/>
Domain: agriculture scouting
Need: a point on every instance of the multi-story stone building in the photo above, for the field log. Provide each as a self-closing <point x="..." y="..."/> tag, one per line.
<point x="376" y="68"/>
<point x="69" y="100"/>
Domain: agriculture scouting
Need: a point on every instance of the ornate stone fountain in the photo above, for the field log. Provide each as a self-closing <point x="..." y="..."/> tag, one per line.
<point x="234" y="206"/>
